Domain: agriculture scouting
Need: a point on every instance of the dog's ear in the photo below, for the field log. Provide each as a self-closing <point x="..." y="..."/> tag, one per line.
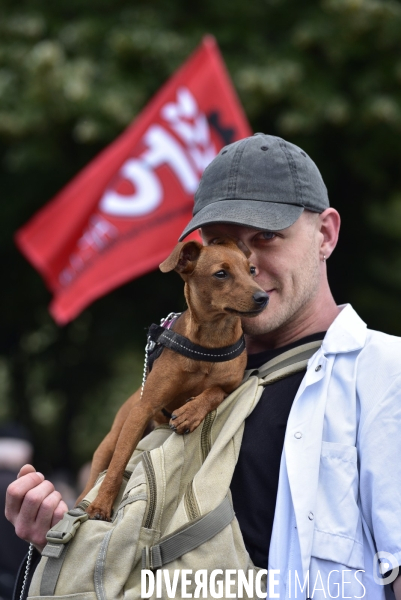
<point x="228" y="241"/>
<point x="183" y="258"/>
<point x="244" y="248"/>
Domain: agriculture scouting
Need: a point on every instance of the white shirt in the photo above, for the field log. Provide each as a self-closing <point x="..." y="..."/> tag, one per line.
<point x="339" y="493"/>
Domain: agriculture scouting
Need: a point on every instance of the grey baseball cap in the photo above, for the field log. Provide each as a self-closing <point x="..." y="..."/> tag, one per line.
<point x="261" y="181"/>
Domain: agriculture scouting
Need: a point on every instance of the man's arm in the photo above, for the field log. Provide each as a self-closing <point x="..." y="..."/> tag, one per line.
<point x="380" y="469"/>
<point x="33" y="506"/>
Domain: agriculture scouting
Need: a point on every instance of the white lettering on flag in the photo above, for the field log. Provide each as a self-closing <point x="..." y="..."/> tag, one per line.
<point x="195" y="135"/>
<point x="187" y="157"/>
<point x="187" y="161"/>
<point x="96" y="237"/>
<point x="147" y="196"/>
<point x="164" y="149"/>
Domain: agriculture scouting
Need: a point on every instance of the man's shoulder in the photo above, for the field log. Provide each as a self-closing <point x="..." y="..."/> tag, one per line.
<point x="378" y="384"/>
<point x="379" y="362"/>
<point x="383" y="347"/>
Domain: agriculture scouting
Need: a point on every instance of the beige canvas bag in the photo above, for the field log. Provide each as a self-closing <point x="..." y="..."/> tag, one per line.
<point x="173" y="511"/>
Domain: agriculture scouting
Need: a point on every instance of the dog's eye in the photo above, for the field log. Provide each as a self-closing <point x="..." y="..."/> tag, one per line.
<point x="253" y="270"/>
<point x="221" y="274"/>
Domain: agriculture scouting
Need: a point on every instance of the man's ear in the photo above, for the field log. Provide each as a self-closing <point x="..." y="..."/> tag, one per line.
<point x="329" y="228"/>
<point x="183" y="258"/>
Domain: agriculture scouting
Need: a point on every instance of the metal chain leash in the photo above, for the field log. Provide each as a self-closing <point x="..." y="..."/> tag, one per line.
<point x="27" y="568"/>
<point x="151" y="344"/>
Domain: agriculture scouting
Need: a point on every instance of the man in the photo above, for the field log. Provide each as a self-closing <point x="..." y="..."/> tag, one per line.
<point x="322" y="508"/>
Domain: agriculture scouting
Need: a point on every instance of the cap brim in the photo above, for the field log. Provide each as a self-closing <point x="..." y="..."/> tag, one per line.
<point x="271" y="216"/>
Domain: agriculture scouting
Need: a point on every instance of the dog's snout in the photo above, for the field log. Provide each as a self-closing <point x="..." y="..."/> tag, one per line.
<point x="261" y="299"/>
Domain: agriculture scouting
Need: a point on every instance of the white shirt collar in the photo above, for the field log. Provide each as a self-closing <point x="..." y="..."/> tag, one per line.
<point x="347" y="332"/>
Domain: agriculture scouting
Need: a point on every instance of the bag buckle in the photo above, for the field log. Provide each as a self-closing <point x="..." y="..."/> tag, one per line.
<point x="152" y="558"/>
<point x="65" y="529"/>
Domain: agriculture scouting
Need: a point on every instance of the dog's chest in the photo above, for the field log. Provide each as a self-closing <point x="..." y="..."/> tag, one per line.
<point x="195" y="367"/>
<point x="205" y="374"/>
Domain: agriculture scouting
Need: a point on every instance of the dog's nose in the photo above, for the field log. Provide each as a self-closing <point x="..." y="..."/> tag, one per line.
<point x="261" y="299"/>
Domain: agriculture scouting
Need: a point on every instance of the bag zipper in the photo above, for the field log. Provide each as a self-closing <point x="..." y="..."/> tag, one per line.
<point x="206" y="434"/>
<point x="191" y="504"/>
<point x="151" y="477"/>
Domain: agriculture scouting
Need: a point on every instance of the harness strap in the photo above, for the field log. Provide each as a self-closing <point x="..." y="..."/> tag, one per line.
<point x="188" y="538"/>
<point x="174" y="341"/>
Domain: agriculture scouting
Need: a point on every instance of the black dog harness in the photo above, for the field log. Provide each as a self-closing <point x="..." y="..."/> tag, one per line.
<point x="162" y="336"/>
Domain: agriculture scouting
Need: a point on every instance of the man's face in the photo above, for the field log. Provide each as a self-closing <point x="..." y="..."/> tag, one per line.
<point x="288" y="264"/>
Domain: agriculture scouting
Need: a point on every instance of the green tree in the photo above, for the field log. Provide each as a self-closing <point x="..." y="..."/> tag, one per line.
<point x="326" y="75"/>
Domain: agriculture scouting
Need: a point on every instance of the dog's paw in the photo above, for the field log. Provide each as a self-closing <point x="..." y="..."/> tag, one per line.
<point x="186" y="418"/>
<point x="97" y="512"/>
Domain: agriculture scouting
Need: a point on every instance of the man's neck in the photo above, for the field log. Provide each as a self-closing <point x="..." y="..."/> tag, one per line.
<point x="312" y="320"/>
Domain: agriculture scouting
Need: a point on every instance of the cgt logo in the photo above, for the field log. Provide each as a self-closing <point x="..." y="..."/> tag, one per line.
<point x="187" y="159"/>
<point x="385" y="568"/>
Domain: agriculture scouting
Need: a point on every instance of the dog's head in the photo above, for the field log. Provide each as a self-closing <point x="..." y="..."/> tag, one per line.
<point x="220" y="277"/>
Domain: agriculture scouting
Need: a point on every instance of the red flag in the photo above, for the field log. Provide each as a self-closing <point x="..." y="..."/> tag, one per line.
<point x="122" y="214"/>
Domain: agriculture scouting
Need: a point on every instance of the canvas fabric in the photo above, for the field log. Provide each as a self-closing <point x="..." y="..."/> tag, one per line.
<point x="193" y="475"/>
<point x="171" y="482"/>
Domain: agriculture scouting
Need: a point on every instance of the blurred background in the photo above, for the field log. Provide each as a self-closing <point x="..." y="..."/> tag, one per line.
<point x="325" y="75"/>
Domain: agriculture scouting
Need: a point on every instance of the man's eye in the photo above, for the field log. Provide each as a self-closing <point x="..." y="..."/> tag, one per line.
<point x="253" y="270"/>
<point x="221" y="274"/>
<point x="268" y="235"/>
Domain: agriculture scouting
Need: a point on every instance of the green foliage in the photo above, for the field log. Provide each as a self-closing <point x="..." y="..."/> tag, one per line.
<point x="325" y="75"/>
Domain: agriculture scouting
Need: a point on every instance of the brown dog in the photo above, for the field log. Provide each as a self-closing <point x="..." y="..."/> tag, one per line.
<point x="219" y="289"/>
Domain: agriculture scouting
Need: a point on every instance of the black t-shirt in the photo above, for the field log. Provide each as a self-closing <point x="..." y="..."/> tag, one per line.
<point x="255" y="481"/>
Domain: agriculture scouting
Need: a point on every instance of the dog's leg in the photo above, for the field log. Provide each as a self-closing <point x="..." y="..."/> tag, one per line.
<point x="187" y="418"/>
<point x="156" y="395"/>
<point x="104" y="453"/>
<point x="130" y="435"/>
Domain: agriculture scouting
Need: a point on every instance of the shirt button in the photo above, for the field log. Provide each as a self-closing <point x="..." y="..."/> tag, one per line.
<point x="318" y="368"/>
<point x="311" y="516"/>
<point x="298" y="435"/>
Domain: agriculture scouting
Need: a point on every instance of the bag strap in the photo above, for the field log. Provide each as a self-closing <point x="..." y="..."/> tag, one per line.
<point x="287" y="363"/>
<point x="58" y="539"/>
<point x="189" y="537"/>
